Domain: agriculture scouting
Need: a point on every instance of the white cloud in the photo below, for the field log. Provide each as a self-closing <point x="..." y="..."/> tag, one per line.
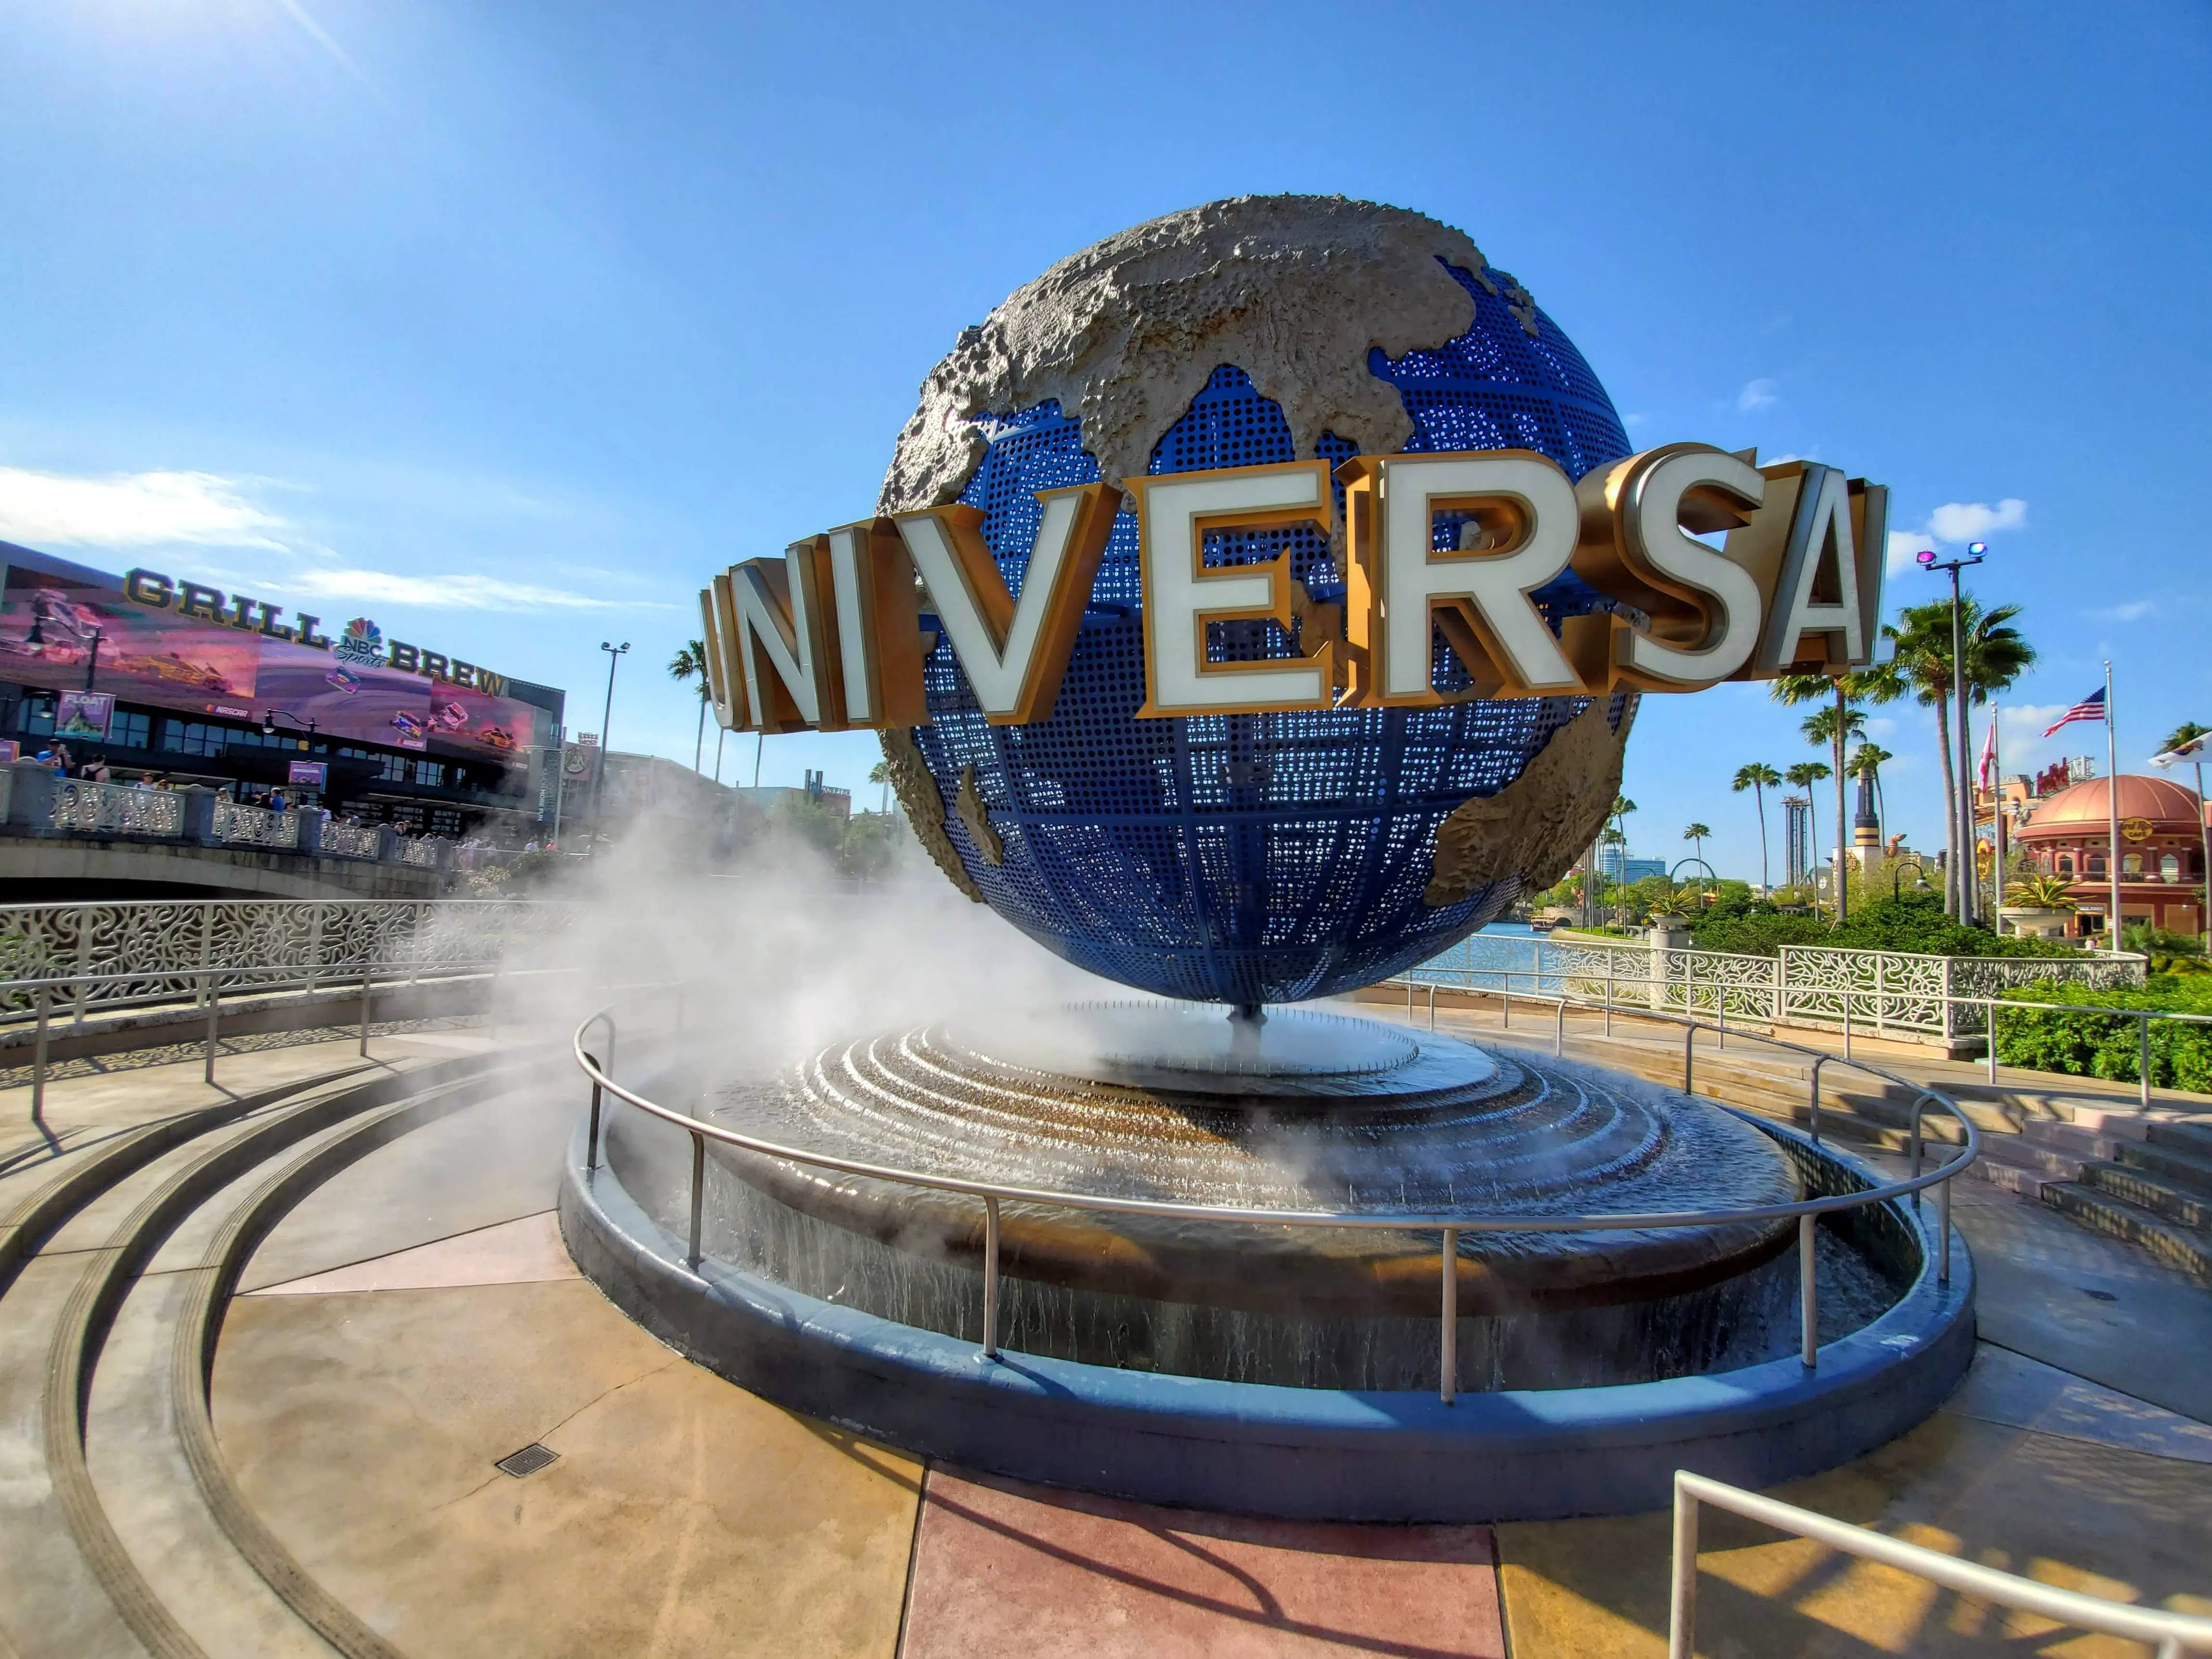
<point x="131" y="509"/>
<point x="454" y="592"/>
<point x="1968" y="521"/>
<point x="1755" y="395"/>
<point x="2133" y="610"/>
<point x="1634" y="420"/>
<point x="1956" y="521"/>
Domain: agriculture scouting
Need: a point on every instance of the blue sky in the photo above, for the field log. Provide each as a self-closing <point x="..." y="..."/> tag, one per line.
<point x="505" y="324"/>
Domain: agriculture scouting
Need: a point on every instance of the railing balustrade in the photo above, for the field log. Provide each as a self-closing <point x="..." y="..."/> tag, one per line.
<point x="92" y="957"/>
<point x="349" y="840"/>
<point x="255" y="826"/>
<point x="116" y="809"/>
<point x="1882" y="993"/>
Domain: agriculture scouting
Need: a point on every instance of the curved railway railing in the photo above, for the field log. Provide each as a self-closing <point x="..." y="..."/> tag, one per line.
<point x="1805" y="1212"/>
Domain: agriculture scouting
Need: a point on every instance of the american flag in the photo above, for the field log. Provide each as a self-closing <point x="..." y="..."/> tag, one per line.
<point x="2091" y="708"/>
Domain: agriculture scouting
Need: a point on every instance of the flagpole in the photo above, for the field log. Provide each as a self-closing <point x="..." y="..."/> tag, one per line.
<point x="1997" y="821"/>
<point x="2112" y="805"/>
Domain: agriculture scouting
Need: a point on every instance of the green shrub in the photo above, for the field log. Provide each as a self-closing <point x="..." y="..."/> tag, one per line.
<point x="2108" y="1045"/>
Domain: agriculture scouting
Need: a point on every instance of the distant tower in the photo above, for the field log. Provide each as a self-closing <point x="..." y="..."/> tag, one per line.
<point x="1866" y="826"/>
<point x="1797" y="840"/>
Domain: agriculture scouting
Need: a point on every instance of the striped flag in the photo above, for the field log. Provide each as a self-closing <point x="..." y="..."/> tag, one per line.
<point x="1990" y="751"/>
<point x="2091" y="708"/>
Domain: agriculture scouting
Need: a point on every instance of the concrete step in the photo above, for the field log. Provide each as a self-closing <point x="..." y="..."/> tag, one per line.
<point x="2185" y="1249"/>
<point x="115" y="1550"/>
<point x="2019" y="1154"/>
<point x="2161" y="1197"/>
<point x="2078" y="1140"/>
<point x="2191" y="1171"/>
<point x="2190" y="1135"/>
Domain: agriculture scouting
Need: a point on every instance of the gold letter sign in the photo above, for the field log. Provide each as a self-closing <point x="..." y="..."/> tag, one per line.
<point x="830" y="634"/>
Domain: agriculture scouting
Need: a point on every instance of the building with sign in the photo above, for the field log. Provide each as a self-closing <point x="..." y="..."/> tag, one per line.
<point x="2069" y="835"/>
<point x="175" y="679"/>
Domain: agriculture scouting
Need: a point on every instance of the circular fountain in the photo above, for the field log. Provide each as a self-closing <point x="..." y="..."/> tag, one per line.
<point x="1212" y="1284"/>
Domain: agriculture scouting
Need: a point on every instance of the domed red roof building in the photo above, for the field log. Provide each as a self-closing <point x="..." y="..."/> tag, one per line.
<point x="2162" y="851"/>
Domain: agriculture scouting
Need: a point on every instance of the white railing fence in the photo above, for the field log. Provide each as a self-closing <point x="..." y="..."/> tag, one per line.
<point x="1877" y="993"/>
<point x="349" y="840"/>
<point x="255" y="826"/>
<point x="116" y="809"/>
<point x="129" y="953"/>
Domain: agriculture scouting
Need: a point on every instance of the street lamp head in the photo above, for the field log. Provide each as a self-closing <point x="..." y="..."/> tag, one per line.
<point x="1978" y="548"/>
<point x="1925" y="556"/>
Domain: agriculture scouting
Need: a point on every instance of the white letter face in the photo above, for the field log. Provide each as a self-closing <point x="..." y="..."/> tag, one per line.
<point x="1013" y="651"/>
<point x="1181" y="596"/>
<point x="856" y="633"/>
<point x="1654" y="529"/>
<point x="1819" y="538"/>
<point x="779" y="629"/>
<point x="1413" y="581"/>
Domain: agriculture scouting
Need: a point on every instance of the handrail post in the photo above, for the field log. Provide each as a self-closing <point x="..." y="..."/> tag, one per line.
<point x="39" y="1061"/>
<point x="1682" y="1603"/>
<point x="1919" y="1102"/>
<point x="1847" y="1012"/>
<point x="1818" y="1061"/>
<point x="1943" y="1224"/>
<point x="1432" y="1005"/>
<point x="1559" y="1031"/>
<point x="698" y="1191"/>
<point x="991" y="1272"/>
<point x="364" y="1011"/>
<point x="2142" y="1091"/>
<point x="1990" y="1032"/>
<point x="1720" y="1012"/>
<point x="1448" y="1353"/>
<point x="215" y="1017"/>
<point x="1608" y="990"/>
<point x="1809" y="1295"/>
<point x="1689" y="1074"/>
<point x="591" y="1135"/>
<point x="1505" y="1003"/>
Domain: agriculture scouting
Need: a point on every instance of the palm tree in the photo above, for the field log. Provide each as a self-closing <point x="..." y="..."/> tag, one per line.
<point x="1804" y="776"/>
<point x="1695" y="835"/>
<point x="881" y="773"/>
<point x="1996" y="655"/>
<point x="1759" y="777"/>
<point x="1866" y="762"/>
<point x="1832" y="725"/>
<point x="690" y="663"/>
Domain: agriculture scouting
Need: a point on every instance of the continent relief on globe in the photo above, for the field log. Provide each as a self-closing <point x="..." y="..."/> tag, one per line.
<point x="1257" y="602"/>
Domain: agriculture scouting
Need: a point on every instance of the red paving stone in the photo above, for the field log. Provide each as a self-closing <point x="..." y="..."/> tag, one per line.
<point x="1004" y="1568"/>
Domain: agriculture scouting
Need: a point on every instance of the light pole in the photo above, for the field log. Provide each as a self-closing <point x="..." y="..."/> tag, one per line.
<point x="615" y="653"/>
<point x="1963" y="808"/>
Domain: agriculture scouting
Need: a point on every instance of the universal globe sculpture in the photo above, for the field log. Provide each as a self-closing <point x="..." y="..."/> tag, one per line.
<point x="1263" y="858"/>
<point x="1331" y="1267"/>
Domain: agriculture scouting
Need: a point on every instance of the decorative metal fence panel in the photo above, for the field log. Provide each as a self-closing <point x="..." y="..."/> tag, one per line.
<point x="349" y="840"/>
<point x="422" y="853"/>
<point x="255" y="826"/>
<point x="159" y="951"/>
<point x="116" y="809"/>
<point x="1882" y="993"/>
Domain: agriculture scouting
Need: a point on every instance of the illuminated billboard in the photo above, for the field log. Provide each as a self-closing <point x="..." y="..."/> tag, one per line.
<point x="66" y="628"/>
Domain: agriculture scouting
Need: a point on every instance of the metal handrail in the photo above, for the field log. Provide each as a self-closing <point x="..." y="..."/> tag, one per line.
<point x="2176" y="1633"/>
<point x="1805" y="1212"/>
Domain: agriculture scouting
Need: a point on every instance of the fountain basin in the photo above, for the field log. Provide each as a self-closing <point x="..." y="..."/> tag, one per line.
<point x="1387" y="1456"/>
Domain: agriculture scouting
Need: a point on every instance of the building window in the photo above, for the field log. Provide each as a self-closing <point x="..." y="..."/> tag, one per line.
<point x="129" y="730"/>
<point x="2065" y="864"/>
<point x="2131" y="864"/>
<point x="2096" y="864"/>
<point x="2169" y="868"/>
<point x="38" y="716"/>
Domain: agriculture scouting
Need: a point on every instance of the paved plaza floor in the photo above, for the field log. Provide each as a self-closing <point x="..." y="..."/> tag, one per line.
<point x="418" y="1322"/>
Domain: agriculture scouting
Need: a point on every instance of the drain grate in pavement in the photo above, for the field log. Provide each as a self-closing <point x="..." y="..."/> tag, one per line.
<point x="531" y="1459"/>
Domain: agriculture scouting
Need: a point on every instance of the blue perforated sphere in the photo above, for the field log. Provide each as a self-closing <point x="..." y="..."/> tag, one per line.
<point x="1266" y="858"/>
